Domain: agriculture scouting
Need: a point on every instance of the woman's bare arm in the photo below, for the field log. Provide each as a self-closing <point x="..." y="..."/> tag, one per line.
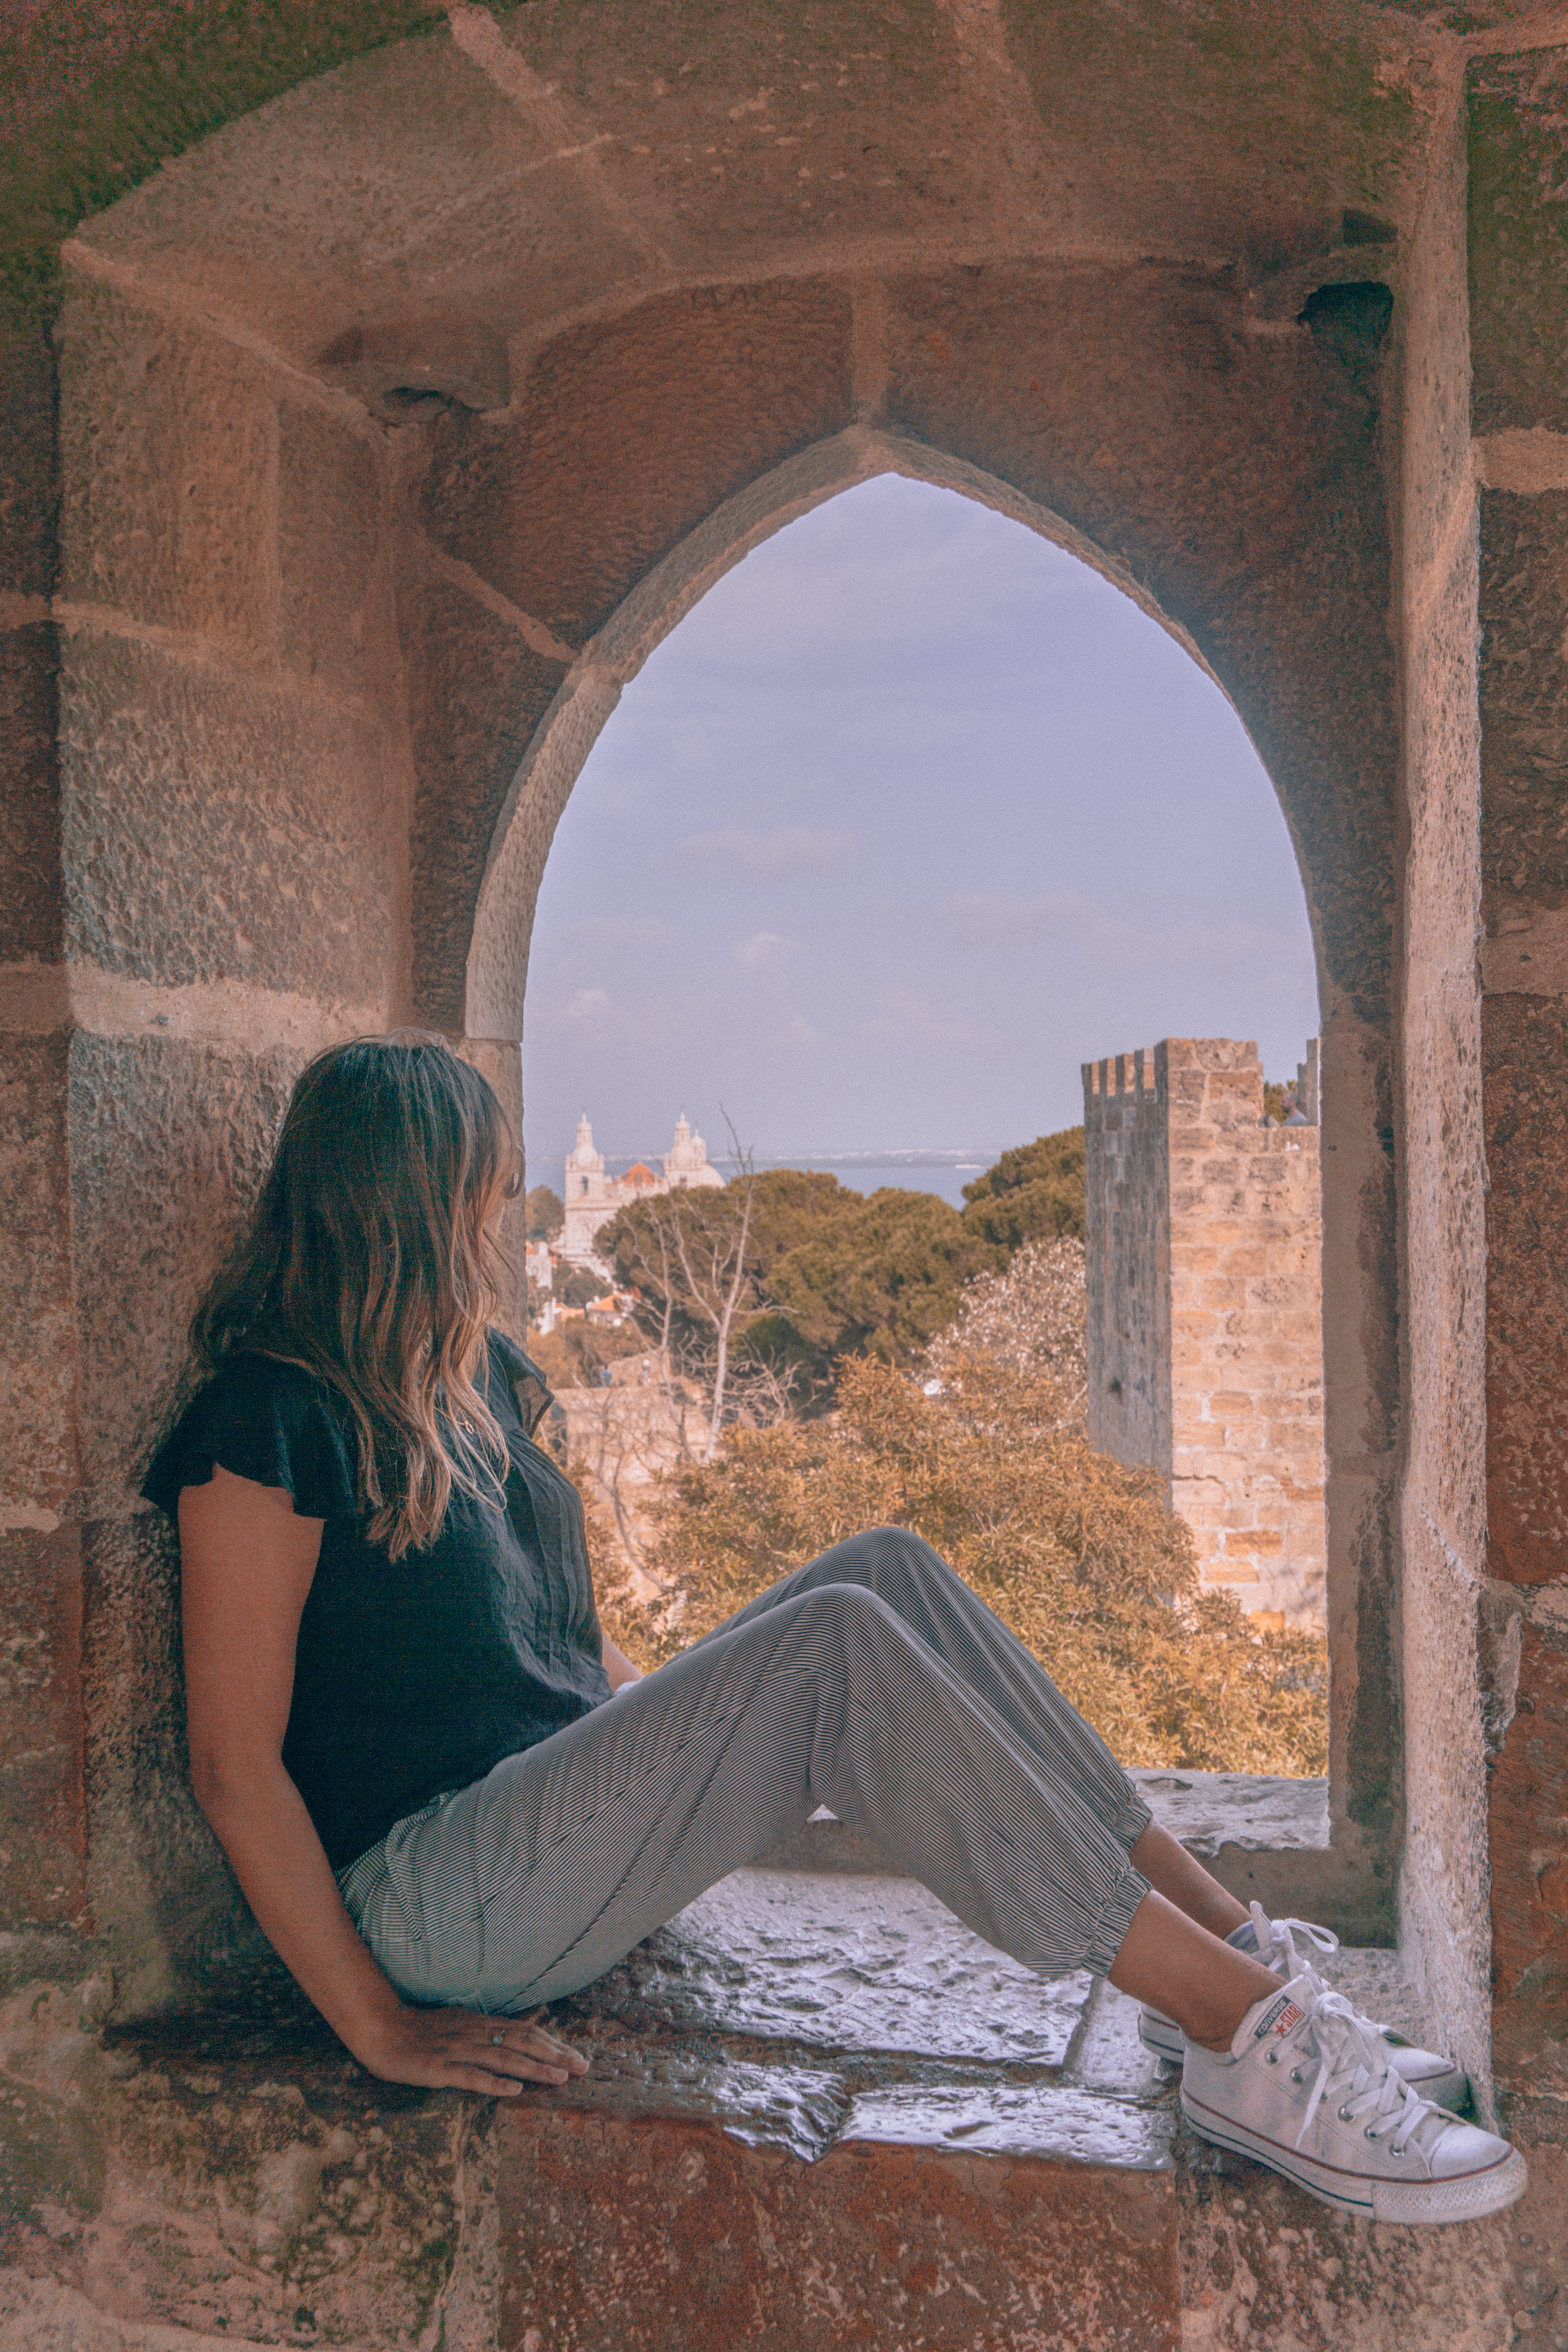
<point x="247" y="1562"/>
<point x="618" y="1665"/>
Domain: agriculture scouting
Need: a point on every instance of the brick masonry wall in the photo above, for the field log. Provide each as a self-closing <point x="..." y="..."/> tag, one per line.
<point x="1206" y="1346"/>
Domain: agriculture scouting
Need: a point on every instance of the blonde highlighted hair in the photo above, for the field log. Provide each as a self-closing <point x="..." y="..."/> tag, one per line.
<point x="368" y="1262"/>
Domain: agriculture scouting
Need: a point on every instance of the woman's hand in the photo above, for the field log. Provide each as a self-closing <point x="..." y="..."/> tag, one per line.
<point x="462" y="2050"/>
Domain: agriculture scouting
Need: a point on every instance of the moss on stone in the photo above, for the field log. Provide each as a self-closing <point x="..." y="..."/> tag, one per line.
<point x="192" y="76"/>
<point x="1519" y="244"/>
<point x="1315" y="104"/>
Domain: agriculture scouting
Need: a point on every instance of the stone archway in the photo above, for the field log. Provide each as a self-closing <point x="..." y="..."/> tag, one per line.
<point x="274" y="678"/>
<point x="1320" y="709"/>
<point x="497" y="971"/>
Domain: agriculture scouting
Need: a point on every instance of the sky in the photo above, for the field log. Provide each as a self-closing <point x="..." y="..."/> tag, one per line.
<point x="910" y="817"/>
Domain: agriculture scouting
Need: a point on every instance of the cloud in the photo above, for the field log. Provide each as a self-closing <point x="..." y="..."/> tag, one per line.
<point x="584" y="1004"/>
<point x="763" y="948"/>
<point x="787" y="854"/>
<point x="908" y="1019"/>
<point x="796" y="1037"/>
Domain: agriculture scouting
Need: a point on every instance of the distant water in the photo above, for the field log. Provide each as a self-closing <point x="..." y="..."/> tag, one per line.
<point x="942" y="1172"/>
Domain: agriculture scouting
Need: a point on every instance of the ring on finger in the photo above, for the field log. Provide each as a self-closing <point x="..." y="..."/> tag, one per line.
<point x="498" y="2041"/>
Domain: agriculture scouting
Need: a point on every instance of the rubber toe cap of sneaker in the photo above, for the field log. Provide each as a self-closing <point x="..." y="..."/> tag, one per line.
<point x="1464" y="2149"/>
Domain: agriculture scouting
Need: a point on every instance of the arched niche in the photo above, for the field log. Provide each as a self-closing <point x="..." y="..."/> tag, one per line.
<point x="1357" y="1246"/>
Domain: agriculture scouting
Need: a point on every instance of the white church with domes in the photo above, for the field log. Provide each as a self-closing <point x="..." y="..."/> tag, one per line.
<point x="590" y="1198"/>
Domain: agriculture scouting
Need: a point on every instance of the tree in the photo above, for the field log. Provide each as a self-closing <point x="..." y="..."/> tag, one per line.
<point x="1029" y="1319"/>
<point x="1033" y="1192"/>
<point x="687" y="1253"/>
<point x="574" y="1355"/>
<point x="788" y="1205"/>
<point x="544" y="1213"/>
<point x="1076" y="1552"/>
<point x="579" y="1286"/>
<point x="767" y="1366"/>
<point x="882" y="1277"/>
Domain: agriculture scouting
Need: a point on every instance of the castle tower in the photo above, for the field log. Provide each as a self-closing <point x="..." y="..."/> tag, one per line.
<point x="1204" y="1238"/>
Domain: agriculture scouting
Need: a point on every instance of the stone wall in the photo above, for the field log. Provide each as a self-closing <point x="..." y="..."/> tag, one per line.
<point x="1206" y="1344"/>
<point x="294" y="695"/>
<point x="1517" y="288"/>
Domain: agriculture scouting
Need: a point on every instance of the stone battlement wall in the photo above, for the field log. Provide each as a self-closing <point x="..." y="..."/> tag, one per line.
<point x="1205" y="1339"/>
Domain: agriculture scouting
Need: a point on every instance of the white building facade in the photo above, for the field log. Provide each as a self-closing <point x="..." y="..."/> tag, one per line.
<point x="591" y="1199"/>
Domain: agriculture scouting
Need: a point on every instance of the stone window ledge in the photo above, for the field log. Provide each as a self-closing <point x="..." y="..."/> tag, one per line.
<point x="819" y="2111"/>
<point x="823" y="1997"/>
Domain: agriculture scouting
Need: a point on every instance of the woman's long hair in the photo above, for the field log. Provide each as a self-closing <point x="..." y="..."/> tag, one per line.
<point x="367" y="1262"/>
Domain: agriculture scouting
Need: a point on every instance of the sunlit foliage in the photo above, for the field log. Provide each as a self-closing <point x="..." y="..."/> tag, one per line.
<point x="1078" y="1554"/>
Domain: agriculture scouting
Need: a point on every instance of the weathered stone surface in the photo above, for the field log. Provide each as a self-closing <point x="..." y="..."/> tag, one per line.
<point x="1249" y="1813"/>
<point x="667" y="400"/>
<point x="169" y="1143"/>
<point x="235" y="2173"/>
<point x="329" y="491"/>
<point x="1269" y="185"/>
<point x="352" y="201"/>
<point x="39" y="1454"/>
<point x="1524" y="702"/>
<point x="477" y="690"/>
<point x="660" y="2238"/>
<point x="1443" y="1512"/>
<point x="29" y="793"/>
<point x="43" y="1813"/>
<point x="166" y="457"/>
<point x="769" y="130"/>
<point x="788" y="2098"/>
<point x="1528" y="1829"/>
<point x="873" y="1965"/>
<point x="244" y="2183"/>
<point x="101" y="94"/>
<point x="1266" y="2268"/>
<point x="217" y="828"/>
<point x="1013" y="2119"/>
<point x="1536" y="2274"/>
<point x="30" y="460"/>
<point x="1524" y="1040"/>
<point x="1519" y="240"/>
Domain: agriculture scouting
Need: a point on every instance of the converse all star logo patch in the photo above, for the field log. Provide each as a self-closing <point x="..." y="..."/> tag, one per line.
<point x="1282" y="2018"/>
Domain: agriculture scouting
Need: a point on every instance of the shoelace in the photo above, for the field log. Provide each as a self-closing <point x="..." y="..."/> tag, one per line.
<point x="1272" y="1933"/>
<point x="1377" y="2097"/>
<point x="1269" y="1932"/>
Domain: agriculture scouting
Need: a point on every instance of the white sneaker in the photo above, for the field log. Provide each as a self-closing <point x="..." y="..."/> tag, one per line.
<point x="1308" y="2090"/>
<point x="1273" y="1941"/>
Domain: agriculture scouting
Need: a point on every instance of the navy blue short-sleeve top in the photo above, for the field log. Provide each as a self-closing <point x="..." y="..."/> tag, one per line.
<point x="416" y="1676"/>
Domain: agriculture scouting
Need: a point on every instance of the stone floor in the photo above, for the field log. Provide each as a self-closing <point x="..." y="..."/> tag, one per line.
<point x="820" y="2112"/>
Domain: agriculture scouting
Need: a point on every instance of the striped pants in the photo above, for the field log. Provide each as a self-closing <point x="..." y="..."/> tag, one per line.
<point x="871" y="1681"/>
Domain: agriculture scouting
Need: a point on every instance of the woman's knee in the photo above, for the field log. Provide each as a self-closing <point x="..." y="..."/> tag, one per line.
<point x="883" y="1556"/>
<point x="841" y="1609"/>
